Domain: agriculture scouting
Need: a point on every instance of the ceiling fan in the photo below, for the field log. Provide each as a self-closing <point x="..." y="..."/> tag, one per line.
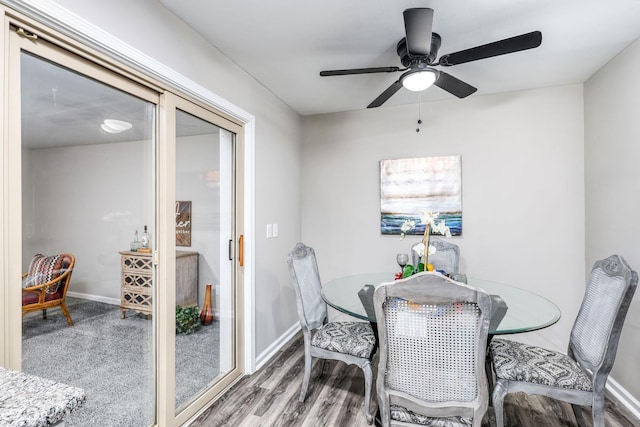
<point x="418" y="52"/>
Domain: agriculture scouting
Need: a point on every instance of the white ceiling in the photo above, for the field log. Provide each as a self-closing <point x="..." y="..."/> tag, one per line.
<point x="62" y="108"/>
<point x="284" y="44"/>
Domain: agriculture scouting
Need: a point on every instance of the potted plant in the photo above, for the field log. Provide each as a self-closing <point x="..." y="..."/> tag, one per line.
<point x="187" y="319"/>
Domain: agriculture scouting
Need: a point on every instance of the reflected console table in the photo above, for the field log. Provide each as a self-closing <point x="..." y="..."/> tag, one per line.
<point x="137" y="281"/>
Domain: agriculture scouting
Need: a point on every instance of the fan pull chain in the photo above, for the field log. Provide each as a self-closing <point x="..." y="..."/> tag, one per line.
<point x="419" y="114"/>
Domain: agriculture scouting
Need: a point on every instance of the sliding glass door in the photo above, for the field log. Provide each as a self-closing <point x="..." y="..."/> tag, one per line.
<point x="134" y="194"/>
<point x="205" y="188"/>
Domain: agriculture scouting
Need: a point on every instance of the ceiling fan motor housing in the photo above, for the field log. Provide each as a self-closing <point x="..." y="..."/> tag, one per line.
<point x="407" y="59"/>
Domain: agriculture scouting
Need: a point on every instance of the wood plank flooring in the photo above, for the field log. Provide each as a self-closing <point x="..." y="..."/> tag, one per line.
<point x="336" y="398"/>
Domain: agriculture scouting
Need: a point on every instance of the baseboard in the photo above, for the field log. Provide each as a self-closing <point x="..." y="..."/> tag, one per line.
<point x="97" y="298"/>
<point x="624" y="397"/>
<point x="271" y="351"/>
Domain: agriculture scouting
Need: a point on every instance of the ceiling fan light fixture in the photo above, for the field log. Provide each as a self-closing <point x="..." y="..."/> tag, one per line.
<point x="419" y="80"/>
<point x="115" y="126"/>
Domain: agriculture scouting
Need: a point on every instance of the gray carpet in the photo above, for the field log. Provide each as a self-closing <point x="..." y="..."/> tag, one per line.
<point x="111" y="359"/>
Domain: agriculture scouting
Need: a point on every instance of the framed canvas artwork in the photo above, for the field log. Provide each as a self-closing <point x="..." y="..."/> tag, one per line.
<point x="183" y="223"/>
<point x="409" y="187"/>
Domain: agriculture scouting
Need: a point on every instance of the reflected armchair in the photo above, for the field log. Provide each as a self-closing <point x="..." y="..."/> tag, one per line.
<point x="45" y="284"/>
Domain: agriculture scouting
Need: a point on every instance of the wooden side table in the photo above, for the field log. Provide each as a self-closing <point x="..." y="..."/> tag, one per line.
<point x="137" y="281"/>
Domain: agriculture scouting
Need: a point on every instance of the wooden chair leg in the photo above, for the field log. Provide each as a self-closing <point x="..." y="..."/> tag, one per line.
<point x="385" y="412"/>
<point x="322" y="366"/>
<point x="597" y="411"/>
<point x="499" y="392"/>
<point x="44" y="314"/>
<point x="307" y="374"/>
<point x="577" y="411"/>
<point x="368" y="384"/>
<point x="63" y="306"/>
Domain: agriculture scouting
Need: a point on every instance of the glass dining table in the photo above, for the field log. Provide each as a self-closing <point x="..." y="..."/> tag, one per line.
<point x="525" y="310"/>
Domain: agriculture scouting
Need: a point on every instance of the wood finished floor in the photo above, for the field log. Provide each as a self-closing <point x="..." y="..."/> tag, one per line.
<point x="336" y="398"/>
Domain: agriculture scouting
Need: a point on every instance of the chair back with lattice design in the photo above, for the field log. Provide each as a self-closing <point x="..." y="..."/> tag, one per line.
<point x="446" y="258"/>
<point x="597" y="328"/>
<point x="433" y="336"/>
<point x="305" y="277"/>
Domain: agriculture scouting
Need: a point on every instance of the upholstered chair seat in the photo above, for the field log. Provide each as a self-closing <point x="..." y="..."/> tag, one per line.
<point x="398" y="413"/>
<point x="515" y="361"/>
<point x="353" y="338"/>
<point x="32" y="297"/>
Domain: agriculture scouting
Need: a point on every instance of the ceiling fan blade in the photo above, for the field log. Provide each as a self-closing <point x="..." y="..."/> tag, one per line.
<point x="454" y="85"/>
<point x="417" y="26"/>
<point x="359" y="71"/>
<point x="501" y="47"/>
<point x="388" y="93"/>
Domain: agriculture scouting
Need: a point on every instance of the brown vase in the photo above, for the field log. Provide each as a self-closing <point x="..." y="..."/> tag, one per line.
<point x="206" y="315"/>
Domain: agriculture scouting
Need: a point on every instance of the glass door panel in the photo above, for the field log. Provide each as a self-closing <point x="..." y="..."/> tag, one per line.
<point x="87" y="186"/>
<point x="204" y="252"/>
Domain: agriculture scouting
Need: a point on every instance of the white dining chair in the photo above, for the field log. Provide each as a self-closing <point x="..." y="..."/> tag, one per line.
<point x="580" y="376"/>
<point x="433" y="335"/>
<point x="348" y="342"/>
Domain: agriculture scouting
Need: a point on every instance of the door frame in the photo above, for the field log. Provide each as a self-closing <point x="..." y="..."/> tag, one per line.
<point x="167" y="182"/>
<point x="83" y="36"/>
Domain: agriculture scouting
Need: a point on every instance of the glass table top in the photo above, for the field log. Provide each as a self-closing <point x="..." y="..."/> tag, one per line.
<point x="526" y="310"/>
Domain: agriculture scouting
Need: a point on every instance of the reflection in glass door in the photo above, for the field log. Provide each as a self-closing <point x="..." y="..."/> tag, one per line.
<point x="87" y="187"/>
<point x="87" y="173"/>
<point x="204" y="266"/>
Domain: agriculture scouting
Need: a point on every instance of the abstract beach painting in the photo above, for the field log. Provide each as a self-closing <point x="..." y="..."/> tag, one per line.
<point x="409" y="187"/>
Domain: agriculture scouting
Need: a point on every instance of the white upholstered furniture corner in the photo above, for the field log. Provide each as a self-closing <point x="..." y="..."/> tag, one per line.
<point x="30" y="401"/>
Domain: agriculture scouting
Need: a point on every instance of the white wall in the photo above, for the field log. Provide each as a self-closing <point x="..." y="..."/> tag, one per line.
<point x="87" y="201"/>
<point x="197" y="156"/>
<point x="150" y="28"/>
<point x="522" y="189"/>
<point x="612" y="180"/>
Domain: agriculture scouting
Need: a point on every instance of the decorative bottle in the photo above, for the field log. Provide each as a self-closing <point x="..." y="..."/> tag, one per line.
<point x="135" y="245"/>
<point x="206" y="315"/>
<point x="144" y="239"/>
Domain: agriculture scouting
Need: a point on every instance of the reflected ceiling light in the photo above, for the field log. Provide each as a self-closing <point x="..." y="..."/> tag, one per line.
<point x="115" y="126"/>
<point x="419" y="79"/>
